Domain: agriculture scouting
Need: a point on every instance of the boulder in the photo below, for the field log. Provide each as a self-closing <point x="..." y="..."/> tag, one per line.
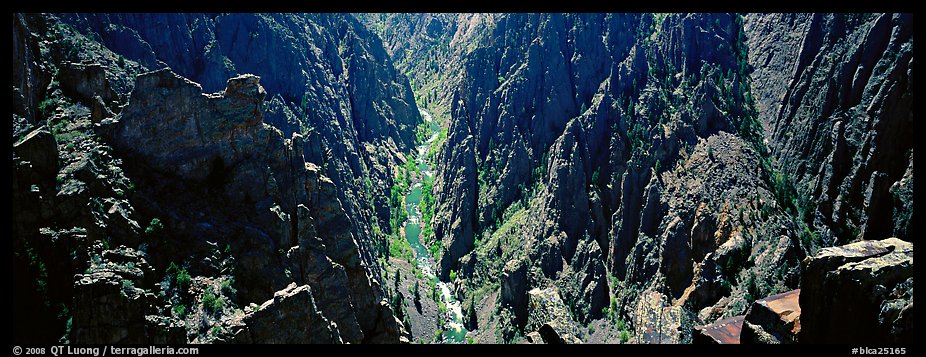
<point x="773" y="320"/>
<point x="859" y="293"/>
<point x="40" y="149"/>
<point x="726" y="331"/>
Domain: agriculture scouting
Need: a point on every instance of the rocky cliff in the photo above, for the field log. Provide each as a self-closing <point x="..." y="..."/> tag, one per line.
<point x="328" y="78"/>
<point x="834" y="93"/>
<point x="215" y="177"/>
<point x="237" y="202"/>
<point x="698" y="157"/>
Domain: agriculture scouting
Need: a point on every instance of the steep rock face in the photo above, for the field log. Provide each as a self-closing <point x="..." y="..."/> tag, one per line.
<point x="429" y="47"/>
<point x="596" y="136"/>
<point x="455" y="217"/>
<point x="858" y="293"/>
<point x="514" y="289"/>
<point x="566" y="206"/>
<point x="516" y="110"/>
<point x="255" y="215"/>
<point x="30" y="75"/>
<point x="338" y="84"/>
<point x="835" y="95"/>
<point x="219" y="141"/>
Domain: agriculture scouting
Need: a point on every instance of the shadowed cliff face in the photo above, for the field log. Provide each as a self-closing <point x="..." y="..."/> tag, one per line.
<point x="326" y="76"/>
<point x="698" y="157"/>
<point x="835" y="96"/>
<point x="228" y="198"/>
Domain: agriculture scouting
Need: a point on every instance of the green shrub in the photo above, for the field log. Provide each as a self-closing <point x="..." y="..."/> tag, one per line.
<point x="625" y="336"/>
<point x="155" y="226"/>
<point x="213" y="303"/>
<point x="434" y="249"/>
<point x="179" y="275"/>
<point x="441" y="308"/>
<point x="228" y="286"/>
<point x="47" y="106"/>
<point x="180" y="310"/>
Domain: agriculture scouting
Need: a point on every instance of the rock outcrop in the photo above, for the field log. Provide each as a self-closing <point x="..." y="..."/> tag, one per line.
<point x="219" y="142"/>
<point x="774" y="319"/>
<point x="113" y="303"/>
<point x="290" y="317"/>
<point x="340" y="88"/>
<point x="514" y="289"/>
<point x="656" y="321"/>
<point x="858" y="293"/>
<point x="550" y="319"/>
<point x="725" y="331"/>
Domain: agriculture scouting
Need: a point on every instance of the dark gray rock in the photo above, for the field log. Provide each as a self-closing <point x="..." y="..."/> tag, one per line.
<point x="290" y="317"/>
<point x="835" y="92"/>
<point x="85" y="82"/>
<point x="40" y="150"/>
<point x="858" y="293"/>
<point x="219" y="141"/>
<point x="31" y="74"/>
<point x="113" y="303"/>
<point x="514" y="288"/>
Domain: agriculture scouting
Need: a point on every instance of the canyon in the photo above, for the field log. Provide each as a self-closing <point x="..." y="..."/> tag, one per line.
<point x="463" y="178"/>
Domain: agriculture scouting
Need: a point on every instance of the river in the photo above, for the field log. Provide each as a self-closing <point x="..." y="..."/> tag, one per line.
<point x="453" y="321"/>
